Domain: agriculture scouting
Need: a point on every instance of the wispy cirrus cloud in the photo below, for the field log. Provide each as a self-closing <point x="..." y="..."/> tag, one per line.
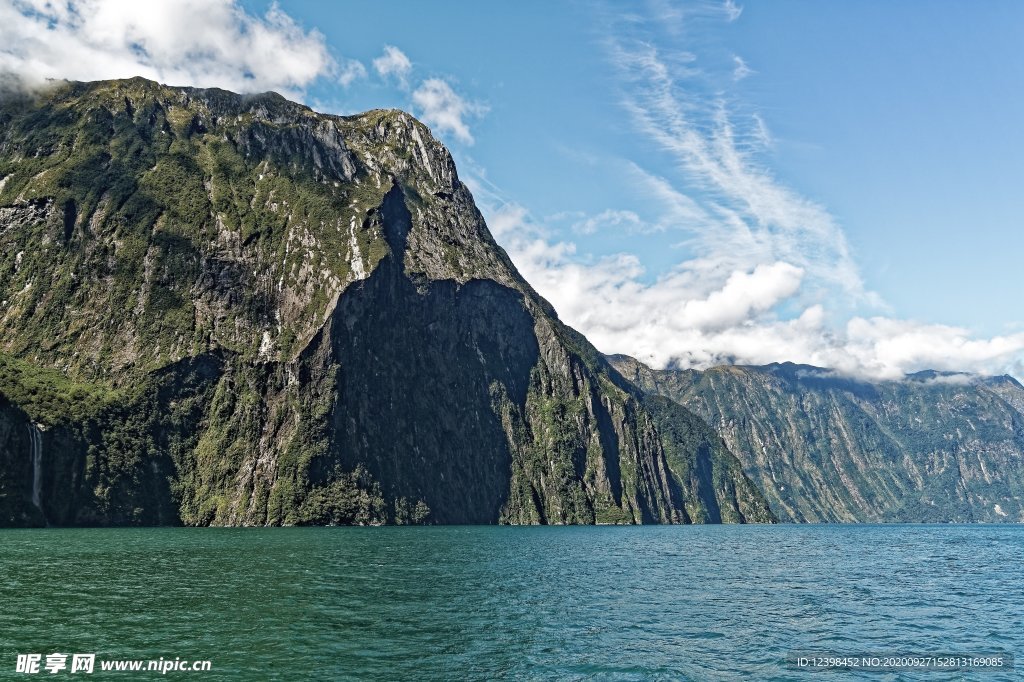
<point x="679" y="320"/>
<point x="732" y="10"/>
<point x="757" y="218"/>
<point x="608" y="219"/>
<point x="740" y="70"/>
<point x="764" y="273"/>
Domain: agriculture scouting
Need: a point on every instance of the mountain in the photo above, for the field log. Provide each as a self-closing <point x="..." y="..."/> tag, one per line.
<point x="940" y="447"/>
<point x="710" y="475"/>
<point x="232" y="310"/>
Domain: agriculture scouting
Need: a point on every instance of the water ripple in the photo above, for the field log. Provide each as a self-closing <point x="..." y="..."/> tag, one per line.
<point x="652" y="603"/>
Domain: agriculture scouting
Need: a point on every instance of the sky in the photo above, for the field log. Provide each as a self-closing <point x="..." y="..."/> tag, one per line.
<point x="691" y="183"/>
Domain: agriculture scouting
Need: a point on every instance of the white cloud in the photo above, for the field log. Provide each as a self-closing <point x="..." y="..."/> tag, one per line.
<point x="351" y="71"/>
<point x="756" y="219"/>
<point x="744" y="294"/>
<point x="393" y="63"/>
<point x="761" y="132"/>
<point x="506" y="220"/>
<point x="768" y="277"/>
<point x="953" y="379"/>
<point x="437" y="104"/>
<point x="740" y="69"/>
<point x="889" y="346"/>
<point x="732" y="10"/>
<point x="675" y="209"/>
<point x="205" y="43"/>
<point x="690" y="317"/>
<point x="444" y="110"/>
<point x="609" y="219"/>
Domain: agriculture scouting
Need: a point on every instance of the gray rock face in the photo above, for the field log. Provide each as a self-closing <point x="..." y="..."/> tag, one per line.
<point x="931" y="448"/>
<point x="282" y="317"/>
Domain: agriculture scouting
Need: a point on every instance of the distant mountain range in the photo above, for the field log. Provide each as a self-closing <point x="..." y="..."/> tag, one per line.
<point x="823" y="448"/>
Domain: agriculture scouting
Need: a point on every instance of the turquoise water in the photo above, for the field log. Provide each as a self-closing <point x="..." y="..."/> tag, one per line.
<point x="454" y="603"/>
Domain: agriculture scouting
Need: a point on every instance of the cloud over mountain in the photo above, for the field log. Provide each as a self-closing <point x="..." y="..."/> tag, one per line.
<point x="205" y="43"/>
<point x="764" y="274"/>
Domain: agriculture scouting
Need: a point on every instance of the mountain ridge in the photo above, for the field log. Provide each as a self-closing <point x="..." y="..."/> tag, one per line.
<point x="826" y="448"/>
<point x="274" y="316"/>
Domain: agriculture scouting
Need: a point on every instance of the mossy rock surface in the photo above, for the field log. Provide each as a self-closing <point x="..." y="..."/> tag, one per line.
<point x="932" y="447"/>
<point x="228" y="310"/>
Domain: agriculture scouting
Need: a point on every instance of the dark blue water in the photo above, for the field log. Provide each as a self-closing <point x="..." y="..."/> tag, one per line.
<point x="641" y="603"/>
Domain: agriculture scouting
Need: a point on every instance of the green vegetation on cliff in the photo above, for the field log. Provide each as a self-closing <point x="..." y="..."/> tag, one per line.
<point x="930" y="448"/>
<point x="228" y="310"/>
<point x="704" y="466"/>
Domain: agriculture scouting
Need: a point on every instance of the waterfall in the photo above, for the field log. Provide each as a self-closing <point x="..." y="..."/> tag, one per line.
<point x="35" y="439"/>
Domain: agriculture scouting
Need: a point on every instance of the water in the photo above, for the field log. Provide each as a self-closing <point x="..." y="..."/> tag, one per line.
<point x="699" y="602"/>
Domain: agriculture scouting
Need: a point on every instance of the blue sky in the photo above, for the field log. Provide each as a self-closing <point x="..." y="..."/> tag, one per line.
<point x="691" y="182"/>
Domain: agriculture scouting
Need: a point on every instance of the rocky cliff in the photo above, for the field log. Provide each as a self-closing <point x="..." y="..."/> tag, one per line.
<point x="217" y="309"/>
<point x="932" y="447"/>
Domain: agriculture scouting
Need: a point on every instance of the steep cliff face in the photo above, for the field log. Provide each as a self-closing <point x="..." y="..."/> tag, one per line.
<point x="705" y="468"/>
<point x="932" y="447"/>
<point x="274" y="316"/>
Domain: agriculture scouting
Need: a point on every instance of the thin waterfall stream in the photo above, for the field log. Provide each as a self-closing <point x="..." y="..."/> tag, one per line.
<point x="35" y="437"/>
